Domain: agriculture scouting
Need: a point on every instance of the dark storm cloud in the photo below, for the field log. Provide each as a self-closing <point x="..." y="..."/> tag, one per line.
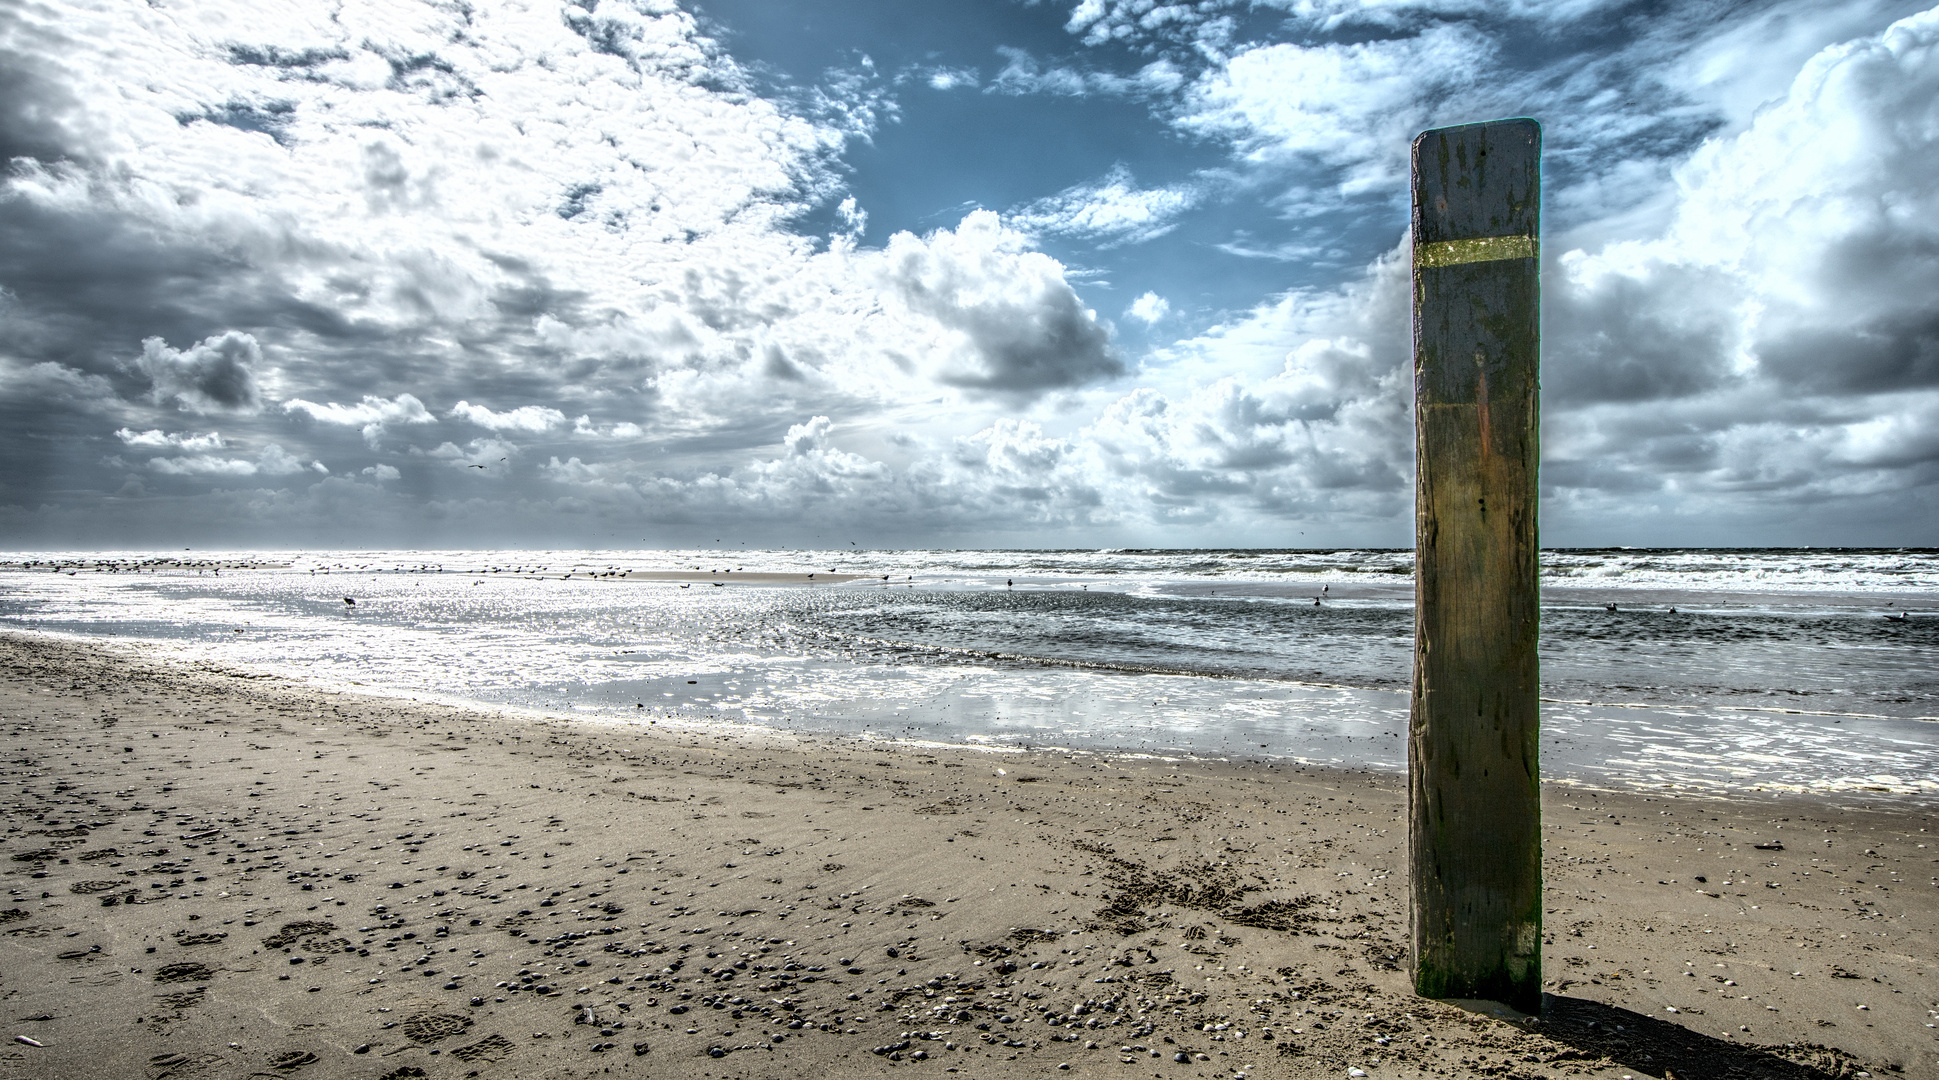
<point x="31" y="111"/>
<point x="217" y="375"/>
<point x="1895" y="352"/>
<point x="1624" y="339"/>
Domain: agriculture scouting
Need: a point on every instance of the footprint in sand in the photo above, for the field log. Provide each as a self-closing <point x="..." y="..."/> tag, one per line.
<point x="430" y="1027"/>
<point x="490" y="1048"/>
<point x="291" y="933"/>
<point x="184" y="972"/>
<point x="184" y="999"/>
<point x="177" y="1066"/>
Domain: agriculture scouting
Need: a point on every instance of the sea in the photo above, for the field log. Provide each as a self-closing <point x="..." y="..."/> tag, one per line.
<point x="1696" y="671"/>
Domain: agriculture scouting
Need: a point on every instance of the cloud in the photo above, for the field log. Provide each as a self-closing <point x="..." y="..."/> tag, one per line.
<point x="1011" y="324"/>
<point x="1779" y="337"/>
<point x="1024" y="74"/>
<point x="1149" y="308"/>
<point x="1101" y="21"/>
<point x="855" y="220"/>
<point x="1113" y="210"/>
<point x="271" y="460"/>
<point x="203" y="464"/>
<point x="947" y="78"/>
<point x="599" y="215"/>
<point x="1354" y="106"/>
<point x="372" y="415"/>
<point x="169" y="440"/>
<point x="488" y="456"/>
<point x="534" y="418"/>
<point x="584" y="426"/>
<point x="215" y="376"/>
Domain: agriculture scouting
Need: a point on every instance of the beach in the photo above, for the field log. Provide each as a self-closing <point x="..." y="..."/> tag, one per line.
<point x="217" y="872"/>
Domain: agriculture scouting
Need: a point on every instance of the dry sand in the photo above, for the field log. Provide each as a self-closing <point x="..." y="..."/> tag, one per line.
<point x="217" y="874"/>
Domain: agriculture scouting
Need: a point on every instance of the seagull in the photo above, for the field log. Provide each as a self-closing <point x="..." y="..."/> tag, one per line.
<point x="474" y="466"/>
<point x="1609" y="607"/>
<point x="1900" y="617"/>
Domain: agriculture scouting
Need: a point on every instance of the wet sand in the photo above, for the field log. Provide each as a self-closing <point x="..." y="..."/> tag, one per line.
<point x="212" y="873"/>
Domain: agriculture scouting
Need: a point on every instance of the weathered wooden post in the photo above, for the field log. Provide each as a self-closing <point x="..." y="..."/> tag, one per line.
<point x="1474" y="838"/>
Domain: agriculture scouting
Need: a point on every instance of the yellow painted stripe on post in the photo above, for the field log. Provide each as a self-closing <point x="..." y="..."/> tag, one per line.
<point x="1477" y="249"/>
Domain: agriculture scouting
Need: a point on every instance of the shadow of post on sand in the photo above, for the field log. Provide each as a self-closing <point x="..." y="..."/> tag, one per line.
<point x="1659" y="1048"/>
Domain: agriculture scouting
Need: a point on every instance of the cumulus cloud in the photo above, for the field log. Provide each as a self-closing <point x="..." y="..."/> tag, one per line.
<point x="489" y="456"/>
<point x="216" y="375"/>
<point x="533" y="418"/>
<point x="271" y="460"/>
<point x="371" y="416"/>
<point x="1149" y="308"/>
<point x="156" y="438"/>
<point x="1783" y="324"/>
<point x="1011" y="323"/>
<point x="625" y="429"/>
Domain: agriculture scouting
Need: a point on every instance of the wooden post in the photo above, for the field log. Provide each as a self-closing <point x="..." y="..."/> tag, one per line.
<point x="1474" y="836"/>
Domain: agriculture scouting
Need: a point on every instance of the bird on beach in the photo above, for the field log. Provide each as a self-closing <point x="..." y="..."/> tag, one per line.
<point x="348" y="600"/>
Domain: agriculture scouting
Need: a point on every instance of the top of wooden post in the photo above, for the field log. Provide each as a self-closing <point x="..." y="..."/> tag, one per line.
<point x="1477" y="182"/>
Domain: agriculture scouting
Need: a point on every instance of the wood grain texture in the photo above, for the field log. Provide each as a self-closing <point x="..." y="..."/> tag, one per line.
<point x="1475" y="812"/>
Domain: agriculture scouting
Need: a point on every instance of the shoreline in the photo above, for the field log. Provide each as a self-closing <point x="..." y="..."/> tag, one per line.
<point x="1921" y="793"/>
<point x="1022" y="906"/>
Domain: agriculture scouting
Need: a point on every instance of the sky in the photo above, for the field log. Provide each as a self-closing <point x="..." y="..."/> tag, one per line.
<point x="624" y="273"/>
